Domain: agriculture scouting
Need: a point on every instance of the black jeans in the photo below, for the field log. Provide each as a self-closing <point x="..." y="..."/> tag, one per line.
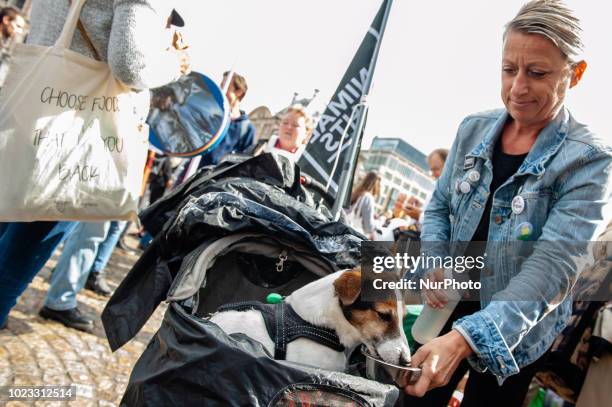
<point x="481" y="389"/>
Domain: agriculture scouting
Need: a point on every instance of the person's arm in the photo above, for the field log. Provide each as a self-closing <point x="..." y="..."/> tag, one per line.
<point x="583" y="208"/>
<point x="487" y="338"/>
<point x="367" y="214"/>
<point x="436" y="226"/>
<point x="138" y="43"/>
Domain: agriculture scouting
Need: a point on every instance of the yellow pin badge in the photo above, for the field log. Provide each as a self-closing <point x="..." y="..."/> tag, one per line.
<point x="524" y="231"/>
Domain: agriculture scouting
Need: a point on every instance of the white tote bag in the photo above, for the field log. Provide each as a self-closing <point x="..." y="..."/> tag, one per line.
<point x="73" y="142"/>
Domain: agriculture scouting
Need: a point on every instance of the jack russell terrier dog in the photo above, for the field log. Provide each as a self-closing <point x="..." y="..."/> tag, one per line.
<point x="316" y="323"/>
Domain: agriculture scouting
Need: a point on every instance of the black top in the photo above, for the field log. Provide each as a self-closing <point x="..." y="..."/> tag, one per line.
<point x="504" y="166"/>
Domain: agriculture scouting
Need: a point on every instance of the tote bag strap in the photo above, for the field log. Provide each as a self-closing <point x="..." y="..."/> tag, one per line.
<point x="85" y="36"/>
<point x="81" y="28"/>
<point x="65" y="38"/>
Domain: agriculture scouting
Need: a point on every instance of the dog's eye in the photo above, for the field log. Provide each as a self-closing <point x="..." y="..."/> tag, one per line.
<point x="385" y="316"/>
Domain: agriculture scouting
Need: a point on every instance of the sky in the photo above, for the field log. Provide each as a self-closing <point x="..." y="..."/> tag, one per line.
<point x="439" y="60"/>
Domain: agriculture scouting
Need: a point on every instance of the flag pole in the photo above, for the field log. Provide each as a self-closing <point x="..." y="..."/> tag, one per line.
<point x="348" y="168"/>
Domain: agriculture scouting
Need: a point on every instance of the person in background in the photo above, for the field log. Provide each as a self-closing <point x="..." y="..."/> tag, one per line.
<point x="12" y="24"/>
<point x="413" y="208"/>
<point x="361" y="212"/>
<point x="400" y="219"/>
<point x="131" y="36"/>
<point x="96" y="278"/>
<point x="161" y="180"/>
<point x="70" y="274"/>
<point x="435" y="162"/>
<point x="241" y="132"/>
<point x="293" y="133"/>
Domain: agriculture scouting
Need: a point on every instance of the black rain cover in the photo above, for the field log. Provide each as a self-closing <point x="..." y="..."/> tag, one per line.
<point x="190" y="361"/>
<point x="273" y="171"/>
<point x="260" y="195"/>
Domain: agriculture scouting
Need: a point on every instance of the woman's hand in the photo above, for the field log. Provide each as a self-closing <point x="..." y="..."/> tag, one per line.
<point x="439" y="359"/>
<point x="413" y="211"/>
<point x="412" y="207"/>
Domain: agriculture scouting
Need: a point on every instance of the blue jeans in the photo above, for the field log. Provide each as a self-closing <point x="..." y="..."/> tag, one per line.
<point x="106" y="248"/>
<point x="25" y="247"/>
<point x="74" y="264"/>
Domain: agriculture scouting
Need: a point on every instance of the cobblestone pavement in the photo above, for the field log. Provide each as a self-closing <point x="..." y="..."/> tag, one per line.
<point x="35" y="351"/>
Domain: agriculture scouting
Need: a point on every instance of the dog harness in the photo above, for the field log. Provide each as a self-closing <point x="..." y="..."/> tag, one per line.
<point x="285" y="325"/>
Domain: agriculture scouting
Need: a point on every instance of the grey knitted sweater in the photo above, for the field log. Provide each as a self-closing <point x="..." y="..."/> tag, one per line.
<point x="129" y="34"/>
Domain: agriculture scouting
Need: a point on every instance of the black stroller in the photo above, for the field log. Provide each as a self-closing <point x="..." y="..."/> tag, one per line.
<point x="235" y="232"/>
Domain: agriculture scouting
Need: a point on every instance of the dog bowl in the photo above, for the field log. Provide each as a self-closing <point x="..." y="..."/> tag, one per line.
<point x="388" y="373"/>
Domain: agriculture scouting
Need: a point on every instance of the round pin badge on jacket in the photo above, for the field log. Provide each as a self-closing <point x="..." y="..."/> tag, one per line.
<point x="465" y="187"/>
<point x="518" y="205"/>
<point x="524" y="231"/>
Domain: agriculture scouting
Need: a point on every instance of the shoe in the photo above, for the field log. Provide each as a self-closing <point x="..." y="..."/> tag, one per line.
<point x="97" y="283"/>
<point x="126" y="249"/>
<point x="121" y="244"/>
<point x="72" y="318"/>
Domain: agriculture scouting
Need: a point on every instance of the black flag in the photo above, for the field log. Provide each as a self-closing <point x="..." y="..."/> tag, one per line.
<point x="344" y="111"/>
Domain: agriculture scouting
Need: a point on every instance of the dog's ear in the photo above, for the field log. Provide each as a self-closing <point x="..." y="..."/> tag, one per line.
<point x="348" y="286"/>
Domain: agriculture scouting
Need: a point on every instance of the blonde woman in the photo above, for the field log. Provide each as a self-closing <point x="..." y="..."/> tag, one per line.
<point x="529" y="172"/>
<point x="293" y="133"/>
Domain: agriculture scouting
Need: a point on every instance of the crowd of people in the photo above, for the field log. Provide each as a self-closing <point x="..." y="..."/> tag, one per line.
<point x="88" y="246"/>
<point x="529" y="171"/>
<point x="407" y="212"/>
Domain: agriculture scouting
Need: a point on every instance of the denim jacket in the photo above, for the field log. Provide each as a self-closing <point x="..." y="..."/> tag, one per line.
<point x="565" y="186"/>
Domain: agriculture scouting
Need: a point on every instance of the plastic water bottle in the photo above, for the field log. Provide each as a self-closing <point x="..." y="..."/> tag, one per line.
<point x="431" y="320"/>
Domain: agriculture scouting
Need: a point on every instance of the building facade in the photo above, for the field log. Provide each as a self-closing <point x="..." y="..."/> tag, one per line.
<point x="403" y="170"/>
<point x="266" y="124"/>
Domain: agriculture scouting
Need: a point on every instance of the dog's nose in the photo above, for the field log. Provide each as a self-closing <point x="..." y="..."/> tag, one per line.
<point x="404" y="359"/>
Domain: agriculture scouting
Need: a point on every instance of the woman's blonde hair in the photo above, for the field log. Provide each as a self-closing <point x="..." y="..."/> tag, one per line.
<point x="301" y="111"/>
<point x="552" y="19"/>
